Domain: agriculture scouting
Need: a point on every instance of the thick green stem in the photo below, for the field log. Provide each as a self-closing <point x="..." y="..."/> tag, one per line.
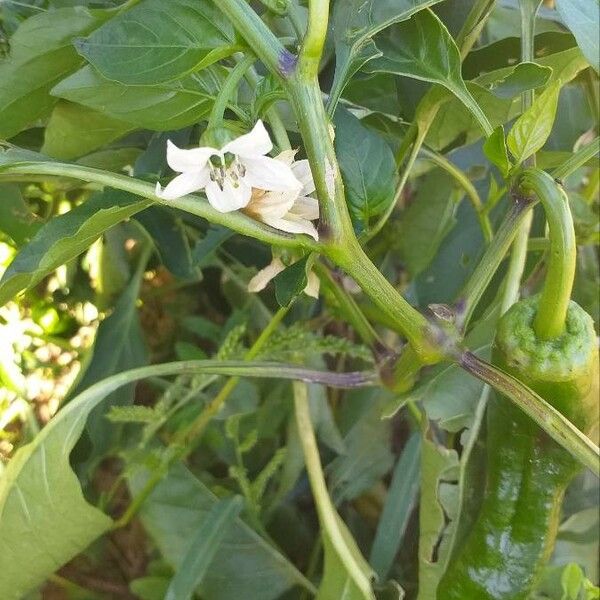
<point x="229" y="88"/>
<point x="556" y="425"/>
<point x="261" y="39"/>
<point x="314" y="40"/>
<point x="554" y="300"/>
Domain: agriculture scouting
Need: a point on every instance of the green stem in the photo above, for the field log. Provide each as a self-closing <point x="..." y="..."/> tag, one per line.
<point x="488" y="265"/>
<point x="191" y="203"/>
<point x="259" y="37"/>
<point x="230" y="86"/>
<point x="554" y="300"/>
<point x="578" y="159"/>
<point x="460" y="178"/>
<point x="328" y="517"/>
<point x="556" y="425"/>
<point x="314" y="40"/>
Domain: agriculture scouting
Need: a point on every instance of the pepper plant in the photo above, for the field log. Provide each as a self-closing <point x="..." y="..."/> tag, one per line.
<point x="314" y="286"/>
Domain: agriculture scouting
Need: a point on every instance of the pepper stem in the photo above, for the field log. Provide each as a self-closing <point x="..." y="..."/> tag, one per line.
<point x="550" y="319"/>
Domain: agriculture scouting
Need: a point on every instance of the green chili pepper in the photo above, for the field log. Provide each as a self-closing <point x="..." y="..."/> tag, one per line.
<point x="549" y="343"/>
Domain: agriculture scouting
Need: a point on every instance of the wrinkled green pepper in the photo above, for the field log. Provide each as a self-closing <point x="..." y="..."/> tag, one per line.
<point x="549" y="343"/>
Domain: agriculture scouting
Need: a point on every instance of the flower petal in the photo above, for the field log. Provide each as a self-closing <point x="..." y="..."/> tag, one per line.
<point x="184" y="184"/>
<point x="267" y="173"/>
<point x="306" y="207"/>
<point x="272" y="204"/>
<point x="255" y="143"/>
<point x="292" y="224"/>
<point x="303" y="174"/>
<point x="229" y="198"/>
<point x="313" y="285"/>
<point x="188" y="160"/>
<point x="261" y="279"/>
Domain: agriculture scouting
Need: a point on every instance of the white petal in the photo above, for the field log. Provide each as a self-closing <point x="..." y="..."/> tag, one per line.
<point x="271" y="204"/>
<point x="188" y="160"/>
<point x="255" y="143"/>
<point x="261" y="279"/>
<point x="303" y="174"/>
<point x="293" y="224"/>
<point x="266" y="173"/>
<point x="184" y="184"/>
<point x="313" y="285"/>
<point x="229" y="198"/>
<point x="287" y="156"/>
<point x="306" y="207"/>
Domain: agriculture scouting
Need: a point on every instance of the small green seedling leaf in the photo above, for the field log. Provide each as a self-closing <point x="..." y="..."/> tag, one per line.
<point x="291" y="281"/>
<point x="533" y="127"/>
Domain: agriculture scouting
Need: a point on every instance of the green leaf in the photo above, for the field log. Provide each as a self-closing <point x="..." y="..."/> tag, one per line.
<point x="399" y="503"/>
<point x="525" y="76"/>
<point x="571" y="581"/>
<point x="368" y="168"/>
<point x="16" y="219"/>
<point x="582" y="17"/>
<point x="158" y="41"/>
<point x="160" y="107"/>
<point x="119" y="345"/>
<point x="496" y="151"/>
<point x="244" y="564"/>
<point x="291" y="281"/>
<point x="203" y="547"/>
<point x="355" y="22"/>
<point x="427" y="221"/>
<point x="41" y="55"/>
<point x="422" y="48"/>
<point x="66" y="236"/>
<point x="73" y="131"/>
<point x="533" y="127"/>
<point x="437" y="464"/>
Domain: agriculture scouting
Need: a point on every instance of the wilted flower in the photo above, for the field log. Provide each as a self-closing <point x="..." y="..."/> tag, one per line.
<point x="293" y="210"/>
<point x="229" y="175"/>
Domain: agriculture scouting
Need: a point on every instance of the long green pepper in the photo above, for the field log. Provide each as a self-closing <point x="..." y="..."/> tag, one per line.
<point x="549" y="343"/>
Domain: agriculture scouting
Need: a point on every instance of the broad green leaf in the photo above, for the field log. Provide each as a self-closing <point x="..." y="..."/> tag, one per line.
<point x="159" y="41"/>
<point x="525" y="76"/>
<point x="355" y="22"/>
<point x="423" y="48"/>
<point x="437" y="463"/>
<point x="203" y="548"/>
<point x="427" y="221"/>
<point x="16" y="219"/>
<point x="533" y="127"/>
<point x="160" y="107"/>
<point x="291" y="281"/>
<point x="73" y="131"/>
<point x="582" y="17"/>
<point x="496" y="151"/>
<point x="368" y="168"/>
<point x="119" y="345"/>
<point x="66" y="236"/>
<point x="244" y="565"/>
<point x="399" y="503"/>
<point x="41" y="55"/>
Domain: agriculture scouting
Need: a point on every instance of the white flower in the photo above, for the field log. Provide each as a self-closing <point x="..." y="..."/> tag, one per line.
<point x="290" y="211"/>
<point x="261" y="279"/>
<point x="228" y="175"/>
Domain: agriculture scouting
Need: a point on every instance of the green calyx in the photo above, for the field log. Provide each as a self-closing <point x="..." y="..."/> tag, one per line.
<point x="563" y="369"/>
